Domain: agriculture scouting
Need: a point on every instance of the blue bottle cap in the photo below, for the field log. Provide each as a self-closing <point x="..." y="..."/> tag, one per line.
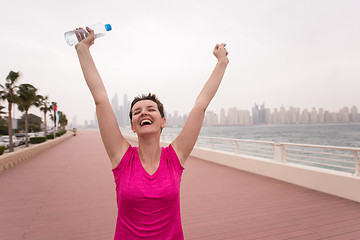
<point x="108" y="27"/>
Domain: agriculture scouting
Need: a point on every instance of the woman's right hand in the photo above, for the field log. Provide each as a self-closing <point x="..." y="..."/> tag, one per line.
<point x="85" y="37"/>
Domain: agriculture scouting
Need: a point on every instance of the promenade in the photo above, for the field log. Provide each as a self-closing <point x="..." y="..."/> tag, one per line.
<point x="68" y="192"/>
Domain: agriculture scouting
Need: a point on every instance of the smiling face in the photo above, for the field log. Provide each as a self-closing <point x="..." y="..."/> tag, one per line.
<point x="146" y="118"/>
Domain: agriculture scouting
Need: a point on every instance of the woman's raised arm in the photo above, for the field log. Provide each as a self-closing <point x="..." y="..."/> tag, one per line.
<point x="114" y="142"/>
<point x="184" y="143"/>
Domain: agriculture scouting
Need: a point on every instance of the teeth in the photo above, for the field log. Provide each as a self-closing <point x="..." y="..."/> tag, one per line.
<point x="143" y="122"/>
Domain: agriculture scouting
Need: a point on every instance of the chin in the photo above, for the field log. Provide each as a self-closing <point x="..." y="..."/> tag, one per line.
<point x="148" y="131"/>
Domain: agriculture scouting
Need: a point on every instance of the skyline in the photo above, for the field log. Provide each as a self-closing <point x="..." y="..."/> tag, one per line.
<point x="256" y="115"/>
<point x="291" y="53"/>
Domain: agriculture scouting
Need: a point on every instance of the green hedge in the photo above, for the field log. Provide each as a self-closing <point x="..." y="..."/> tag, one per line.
<point x="36" y="140"/>
<point x="58" y="134"/>
<point x="50" y="136"/>
<point x="2" y="149"/>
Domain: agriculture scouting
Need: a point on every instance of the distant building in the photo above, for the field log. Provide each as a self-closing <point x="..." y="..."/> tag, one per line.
<point x="305" y="116"/>
<point x="256" y="114"/>
<point x="232" y="116"/>
<point x="313" y="116"/>
<point x="321" y="116"/>
<point x="211" y="119"/>
<point x="223" y="119"/>
<point x="259" y="114"/>
<point x="283" y="118"/>
<point x="115" y="106"/>
<point x="355" y="116"/>
<point x="344" y="115"/>
<point x="268" y="116"/>
<point x="244" y="117"/>
<point x="275" y="118"/>
<point x="125" y="111"/>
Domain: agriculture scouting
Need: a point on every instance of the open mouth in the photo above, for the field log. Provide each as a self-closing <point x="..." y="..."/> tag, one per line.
<point x="145" y="122"/>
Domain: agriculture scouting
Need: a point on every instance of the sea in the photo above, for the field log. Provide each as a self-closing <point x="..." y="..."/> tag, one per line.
<point x="338" y="135"/>
<point x="344" y="135"/>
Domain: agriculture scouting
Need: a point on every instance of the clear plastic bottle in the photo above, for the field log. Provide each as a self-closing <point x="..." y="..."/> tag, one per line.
<point x="99" y="30"/>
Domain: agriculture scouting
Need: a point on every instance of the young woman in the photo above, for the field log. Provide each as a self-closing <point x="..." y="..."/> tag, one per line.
<point x="147" y="177"/>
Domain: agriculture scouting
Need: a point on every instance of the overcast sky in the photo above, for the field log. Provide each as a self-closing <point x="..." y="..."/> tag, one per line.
<point x="293" y="53"/>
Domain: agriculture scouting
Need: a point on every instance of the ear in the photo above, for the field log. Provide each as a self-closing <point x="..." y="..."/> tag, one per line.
<point x="163" y="122"/>
<point x="132" y="128"/>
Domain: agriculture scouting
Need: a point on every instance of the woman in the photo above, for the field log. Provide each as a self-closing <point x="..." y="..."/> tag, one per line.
<point x="147" y="177"/>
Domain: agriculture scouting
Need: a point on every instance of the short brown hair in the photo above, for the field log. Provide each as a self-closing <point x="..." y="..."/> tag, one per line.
<point x="151" y="97"/>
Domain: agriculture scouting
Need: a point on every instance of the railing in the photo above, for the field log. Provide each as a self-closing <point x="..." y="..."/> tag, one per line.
<point x="344" y="159"/>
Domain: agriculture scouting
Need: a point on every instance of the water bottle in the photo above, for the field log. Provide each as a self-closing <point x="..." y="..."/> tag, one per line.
<point x="99" y="30"/>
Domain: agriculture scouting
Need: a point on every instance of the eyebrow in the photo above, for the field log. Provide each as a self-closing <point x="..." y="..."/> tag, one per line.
<point x="150" y="106"/>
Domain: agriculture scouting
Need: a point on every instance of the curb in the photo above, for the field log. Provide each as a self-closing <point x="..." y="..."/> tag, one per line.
<point x="9" y="160"/>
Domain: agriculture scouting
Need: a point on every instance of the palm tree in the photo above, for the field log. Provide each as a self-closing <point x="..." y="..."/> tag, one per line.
<point x="26" y="98"/>
<point x="52" y="114"/>
<point x="45" y="107"/>
<point x="8" y="93"/>
<point x="62" y="120"/>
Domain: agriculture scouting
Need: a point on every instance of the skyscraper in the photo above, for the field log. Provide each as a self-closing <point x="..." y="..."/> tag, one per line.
<point x="313" y="116"/>
<point x="223" y="120"/>
<point x="305" y="116"/>
<point x="259" y="114"/>
<point x="321" y="115"/>
<point x="211" y="119"/>
<point x="354" y="115"/>
<point x="232" y="116"/>
<point x="256" y="114"/>
<point x="244" y="117"/>
<point x="115" y="106"/>
<point x="283" y="118"/>
<point x="126" y="110"/>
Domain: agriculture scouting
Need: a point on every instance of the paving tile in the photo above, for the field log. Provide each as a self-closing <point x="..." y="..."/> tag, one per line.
<point x="68" y="192"/>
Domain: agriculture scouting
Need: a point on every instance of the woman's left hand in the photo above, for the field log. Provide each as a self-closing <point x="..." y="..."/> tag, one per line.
<point x="220" y="52"/>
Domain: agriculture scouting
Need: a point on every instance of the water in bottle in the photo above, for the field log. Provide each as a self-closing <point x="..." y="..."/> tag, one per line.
<point x="100" y="30"/>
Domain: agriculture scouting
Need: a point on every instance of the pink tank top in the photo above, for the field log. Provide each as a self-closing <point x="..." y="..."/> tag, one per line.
<point x="148" y="205"/>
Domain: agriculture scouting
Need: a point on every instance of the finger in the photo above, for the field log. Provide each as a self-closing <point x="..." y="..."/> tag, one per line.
<point x="89" y="30"/>
<point x="82" y="34"/>
<point x="77" y="33"/>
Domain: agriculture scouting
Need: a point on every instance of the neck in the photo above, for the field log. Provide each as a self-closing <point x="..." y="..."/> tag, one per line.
<point x="149" y="149"/>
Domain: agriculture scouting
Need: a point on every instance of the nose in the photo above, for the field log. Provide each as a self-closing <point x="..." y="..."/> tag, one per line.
<point x="144" y="113"/>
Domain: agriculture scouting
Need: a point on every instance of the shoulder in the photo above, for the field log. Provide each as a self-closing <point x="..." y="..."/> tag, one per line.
<point x="169" y="151"/>
<point x="171" y="155"/>
<point x="128" y="155"/>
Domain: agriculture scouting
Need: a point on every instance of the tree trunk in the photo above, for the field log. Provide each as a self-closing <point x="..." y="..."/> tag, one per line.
<point x="26" y="129"/>
<point x="45" y="130"/>
<point x="11" y="146"/>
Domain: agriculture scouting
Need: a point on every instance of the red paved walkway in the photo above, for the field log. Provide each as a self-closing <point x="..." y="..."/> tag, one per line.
<point x="68" y="193"/>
